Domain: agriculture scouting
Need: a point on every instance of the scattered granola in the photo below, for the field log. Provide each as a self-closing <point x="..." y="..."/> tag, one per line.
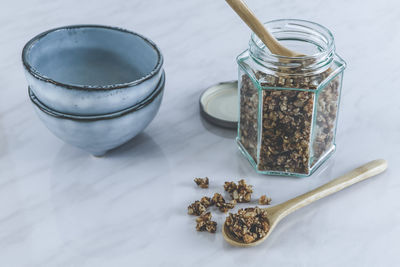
<point x="204" y="223"/>
<point x="264" y="200"/>
<point x="225" y="207"/>
<point x="221" y="204"/>
<point x="206" y="201"/>
<point x="240" y="192"/>
<point x="217" y="198"/>
<point x="248" y="225"/>
<point x="196" y="208"/>
<point x="202" y="182"/>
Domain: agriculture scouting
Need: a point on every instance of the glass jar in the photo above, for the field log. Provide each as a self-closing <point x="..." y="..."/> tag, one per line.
<point x="289" y="105"/>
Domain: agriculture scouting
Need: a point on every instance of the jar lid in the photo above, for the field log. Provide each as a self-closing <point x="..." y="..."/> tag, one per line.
<point x="219" y="104"/>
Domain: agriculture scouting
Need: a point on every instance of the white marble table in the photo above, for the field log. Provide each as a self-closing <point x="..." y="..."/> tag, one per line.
<point x="61" y="207"/>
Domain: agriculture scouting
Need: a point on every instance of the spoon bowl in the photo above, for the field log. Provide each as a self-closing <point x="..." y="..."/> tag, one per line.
<point x="278" y="212"/>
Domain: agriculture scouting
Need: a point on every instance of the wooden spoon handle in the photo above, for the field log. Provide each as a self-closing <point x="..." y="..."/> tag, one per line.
<point x="258" y="28"/>
<point x="357" y="175"/>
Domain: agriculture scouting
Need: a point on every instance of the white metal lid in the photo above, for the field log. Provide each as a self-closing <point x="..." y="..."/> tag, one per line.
<point x="219" y="104"/>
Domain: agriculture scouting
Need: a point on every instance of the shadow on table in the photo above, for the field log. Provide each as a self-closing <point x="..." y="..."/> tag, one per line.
<point x="222" y="132"/>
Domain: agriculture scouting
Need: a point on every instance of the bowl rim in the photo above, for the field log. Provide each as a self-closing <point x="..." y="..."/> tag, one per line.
<point x="159" y="89"/>
<point x="36" y="74"/>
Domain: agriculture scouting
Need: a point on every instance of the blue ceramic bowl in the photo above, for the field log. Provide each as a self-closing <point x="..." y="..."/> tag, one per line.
<point x="91" y="69"/>
<point x="98" y="134"/>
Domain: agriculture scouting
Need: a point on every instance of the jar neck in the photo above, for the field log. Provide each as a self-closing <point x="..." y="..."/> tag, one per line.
<point x="308" y="38"/>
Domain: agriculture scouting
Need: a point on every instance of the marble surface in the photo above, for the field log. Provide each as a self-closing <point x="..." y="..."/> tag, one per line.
<point x="61" y="207"/>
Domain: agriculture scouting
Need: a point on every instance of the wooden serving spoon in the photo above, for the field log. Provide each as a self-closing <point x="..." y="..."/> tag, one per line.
<point x="258" y="28"/>
<point x="278" y="212"/>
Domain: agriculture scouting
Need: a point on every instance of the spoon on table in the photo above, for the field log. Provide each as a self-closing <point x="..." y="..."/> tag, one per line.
<point x="258" y="28"/>
<point x="278" y="212"/>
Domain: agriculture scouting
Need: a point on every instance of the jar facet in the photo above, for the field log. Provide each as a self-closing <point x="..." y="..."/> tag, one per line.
<point x="289" y="106"/>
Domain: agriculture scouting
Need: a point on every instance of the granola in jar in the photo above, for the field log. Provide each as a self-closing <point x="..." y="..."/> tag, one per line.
<point x="289" y="106"/>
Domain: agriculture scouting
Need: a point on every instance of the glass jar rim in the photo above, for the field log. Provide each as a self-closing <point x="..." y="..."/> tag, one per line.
<point x="311" y="27"/>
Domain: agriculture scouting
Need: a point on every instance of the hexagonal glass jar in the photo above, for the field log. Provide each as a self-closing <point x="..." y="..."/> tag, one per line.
<point x="289" y="105"/>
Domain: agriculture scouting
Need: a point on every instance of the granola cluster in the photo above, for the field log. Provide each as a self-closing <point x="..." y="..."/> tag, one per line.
<point x="240" y="192"/>
<point x="201" y="182"/>
<point x="248" y="225"/>
<point x="221" y="204"/>
<point x="196" y="208"/>
<point x="287" y="119"/>
<point x="264" y="200"/>
<point x="206" y="201"/>
<point x="199" y="207"/>
<point x="204" y="223"/>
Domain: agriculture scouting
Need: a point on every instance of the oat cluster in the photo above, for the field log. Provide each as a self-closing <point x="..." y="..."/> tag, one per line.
<point x="204" y="223"/>
<point x="248" y="225"/>
<point x="206" y="202"/>
<point x="287" y="119"/>
<point x="240" y="192"/>
<point x="202" y="182"/>
<point x="264" y="200"/>
<point x="221" y="204"/>
<point x="196" y="208"/>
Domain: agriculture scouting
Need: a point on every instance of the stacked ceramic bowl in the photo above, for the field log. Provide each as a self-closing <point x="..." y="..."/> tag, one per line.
<point x="95" y="87"/>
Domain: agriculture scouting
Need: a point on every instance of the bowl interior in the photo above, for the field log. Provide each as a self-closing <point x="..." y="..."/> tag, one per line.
<point x="92" y="56"/>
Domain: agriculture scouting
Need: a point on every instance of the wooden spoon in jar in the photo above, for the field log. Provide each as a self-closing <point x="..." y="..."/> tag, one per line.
<point x="278" y="212"/>
<point x="258" y="28"/>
